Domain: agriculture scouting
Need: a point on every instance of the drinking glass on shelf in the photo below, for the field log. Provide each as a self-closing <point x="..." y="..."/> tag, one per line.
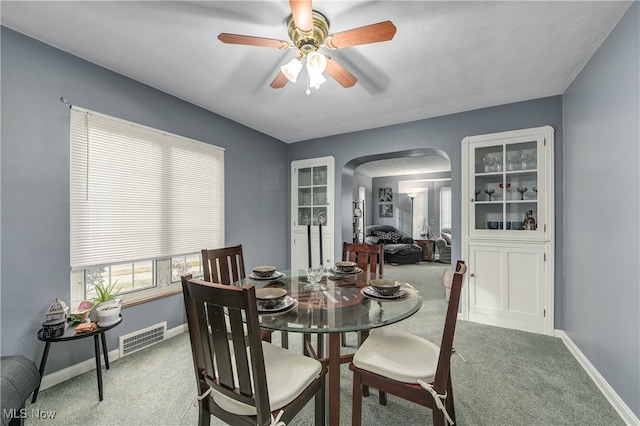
<point x="498" y="163"/>
<point x="478" y="191"/>
<point x="522" y="191"/>
<point x="488" y="163"/>
<point x="489" y="192"/>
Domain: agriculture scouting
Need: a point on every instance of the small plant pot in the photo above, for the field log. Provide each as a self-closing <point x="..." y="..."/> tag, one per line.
<point x="108" y="314"/>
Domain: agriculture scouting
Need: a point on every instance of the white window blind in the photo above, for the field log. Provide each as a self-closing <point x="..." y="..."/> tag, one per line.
<point x="139" y="193"/>
<point x="445" y="207"/>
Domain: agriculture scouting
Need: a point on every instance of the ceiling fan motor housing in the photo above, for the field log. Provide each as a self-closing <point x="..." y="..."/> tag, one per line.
<point x="313" y="40"/>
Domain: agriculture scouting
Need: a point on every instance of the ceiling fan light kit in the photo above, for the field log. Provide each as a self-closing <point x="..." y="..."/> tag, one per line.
<point x="292" y="68"/>
<point x="309" y="31"/>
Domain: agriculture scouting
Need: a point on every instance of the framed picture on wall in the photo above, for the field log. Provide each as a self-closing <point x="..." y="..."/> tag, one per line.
<point x="385" y="195"/>
<point x="386" y="210"/>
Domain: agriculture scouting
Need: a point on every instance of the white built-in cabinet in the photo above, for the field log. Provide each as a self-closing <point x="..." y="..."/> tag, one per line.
<point x="312" y="194"/>
<point x="508" y="229"/>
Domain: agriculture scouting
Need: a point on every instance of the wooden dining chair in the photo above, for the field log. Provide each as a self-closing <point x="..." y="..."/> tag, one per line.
<point x="226" y="266"/>
<point x="408" y="366"/>
<point x="369" y="257"/>
<point x="240" y="378"/>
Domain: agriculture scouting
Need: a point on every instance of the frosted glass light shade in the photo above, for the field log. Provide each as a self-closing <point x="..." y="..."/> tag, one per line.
<point x="316" y="64"/>
<point x="292" y="69"/>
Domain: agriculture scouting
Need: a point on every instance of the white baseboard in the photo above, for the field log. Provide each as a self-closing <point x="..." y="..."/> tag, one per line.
<point x="90" y="364"/>
<point x="618" y="404"/>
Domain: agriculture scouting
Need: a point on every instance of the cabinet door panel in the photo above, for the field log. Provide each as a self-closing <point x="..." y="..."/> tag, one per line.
<point x="300" y="252"/>
<point x="525" y="282"/>
<point x="507" y="286"/>
<point x="487" y="285"/>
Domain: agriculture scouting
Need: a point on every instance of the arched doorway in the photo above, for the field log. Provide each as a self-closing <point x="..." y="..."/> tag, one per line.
<point x="388" y="180"/>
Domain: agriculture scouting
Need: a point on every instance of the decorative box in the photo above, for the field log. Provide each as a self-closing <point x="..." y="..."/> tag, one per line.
<point x="53" y="328"/>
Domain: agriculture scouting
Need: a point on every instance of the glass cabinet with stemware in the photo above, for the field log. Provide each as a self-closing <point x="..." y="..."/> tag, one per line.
<point x="507" y="183"/>
<point x="312" y="186"/>
<point x="508" y="228"/>
<point x="312" y="195"/>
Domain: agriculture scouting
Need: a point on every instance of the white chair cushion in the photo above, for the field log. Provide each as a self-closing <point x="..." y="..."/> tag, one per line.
<point x="398" y="356"/>
<point x="288" y="374"/>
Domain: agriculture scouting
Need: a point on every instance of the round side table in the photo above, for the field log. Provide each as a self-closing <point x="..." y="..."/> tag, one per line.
<point x="70" y="334"/>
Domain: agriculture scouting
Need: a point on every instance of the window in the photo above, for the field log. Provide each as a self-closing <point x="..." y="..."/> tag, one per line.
<point x="143" y="205"/>
<point x="420" y="214"/>
<point x="445" y="207"/>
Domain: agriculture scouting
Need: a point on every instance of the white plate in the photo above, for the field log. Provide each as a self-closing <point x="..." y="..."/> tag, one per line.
<point x="287" y="304"/>
<point x="355" y="271"/>
<point x="276" y="276"/>
<point x="369" y="291"/>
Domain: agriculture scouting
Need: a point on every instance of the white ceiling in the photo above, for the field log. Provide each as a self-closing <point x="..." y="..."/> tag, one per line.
<point x="413" y="165"/>
<point x="446" y="56"/>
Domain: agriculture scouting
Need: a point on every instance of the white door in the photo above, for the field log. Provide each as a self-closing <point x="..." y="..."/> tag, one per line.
<point x="312" y="196"/>
<point x="507" y="286"/>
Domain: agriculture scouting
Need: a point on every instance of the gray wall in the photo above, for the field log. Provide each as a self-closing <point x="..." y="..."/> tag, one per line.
<point x="443" y="136"/>
<point x="601" y="307"/>
<point x="35" y="186"/>
<point x="402" y="203"/>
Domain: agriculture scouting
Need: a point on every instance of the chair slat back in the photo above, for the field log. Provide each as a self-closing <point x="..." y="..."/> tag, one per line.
<point x="224" y="265"/>
<point x="217" y="315"/>
<point x="446" y="346"/>
<point x="369" y="257"/>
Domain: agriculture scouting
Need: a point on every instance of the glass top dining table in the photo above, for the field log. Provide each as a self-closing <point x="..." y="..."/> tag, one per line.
<point x="343" y="304"/>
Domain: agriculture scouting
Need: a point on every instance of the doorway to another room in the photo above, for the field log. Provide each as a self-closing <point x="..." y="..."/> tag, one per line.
<point x="406" y="194"/>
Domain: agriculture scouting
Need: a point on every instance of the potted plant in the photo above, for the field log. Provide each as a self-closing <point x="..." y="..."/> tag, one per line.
<point x="105" y="295"/>
<point x="108" y="314"/>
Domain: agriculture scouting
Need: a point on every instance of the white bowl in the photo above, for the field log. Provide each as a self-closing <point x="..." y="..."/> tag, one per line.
<point x="346" y="266"/>
<point x="385" y="287"/>
<point x="270" y="297"/>
<point x="264" y="271"/>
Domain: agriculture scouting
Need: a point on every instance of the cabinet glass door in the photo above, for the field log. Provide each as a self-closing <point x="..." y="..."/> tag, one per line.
<point x="505" y="184"/>
<point x="312" y="195"/>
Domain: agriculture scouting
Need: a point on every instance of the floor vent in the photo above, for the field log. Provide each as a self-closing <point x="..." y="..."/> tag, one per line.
<point x="141" y="339"/>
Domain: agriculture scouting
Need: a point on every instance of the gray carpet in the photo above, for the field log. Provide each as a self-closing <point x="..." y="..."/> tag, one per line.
<point x="507" y="377"/>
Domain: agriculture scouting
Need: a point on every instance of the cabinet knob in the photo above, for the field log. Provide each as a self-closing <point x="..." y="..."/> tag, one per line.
<point x="472" y="274"/>
<point x="472" y="200"/>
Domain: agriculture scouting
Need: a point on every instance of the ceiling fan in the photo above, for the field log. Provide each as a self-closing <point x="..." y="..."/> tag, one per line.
<point x="309" y="31"/>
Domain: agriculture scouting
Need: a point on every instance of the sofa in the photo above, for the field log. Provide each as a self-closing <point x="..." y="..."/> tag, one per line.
<point x="443" y="244"/>
<point x="20" y="377"/>
<point x="398" y="247"/>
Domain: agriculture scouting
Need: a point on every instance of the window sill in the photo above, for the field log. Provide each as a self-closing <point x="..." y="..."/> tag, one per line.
<point x="151" y="298"/>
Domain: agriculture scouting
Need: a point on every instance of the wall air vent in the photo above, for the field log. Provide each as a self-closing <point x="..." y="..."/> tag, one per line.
<point x="141" y="339"/>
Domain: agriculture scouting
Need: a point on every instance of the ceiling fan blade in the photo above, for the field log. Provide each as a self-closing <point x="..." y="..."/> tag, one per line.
<point x="374" y="33"/>
<point x="252" y="41"/>
<point x="302" y="14"/>
<point x="280" y="81"/>
<point x="340" y="74"/>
